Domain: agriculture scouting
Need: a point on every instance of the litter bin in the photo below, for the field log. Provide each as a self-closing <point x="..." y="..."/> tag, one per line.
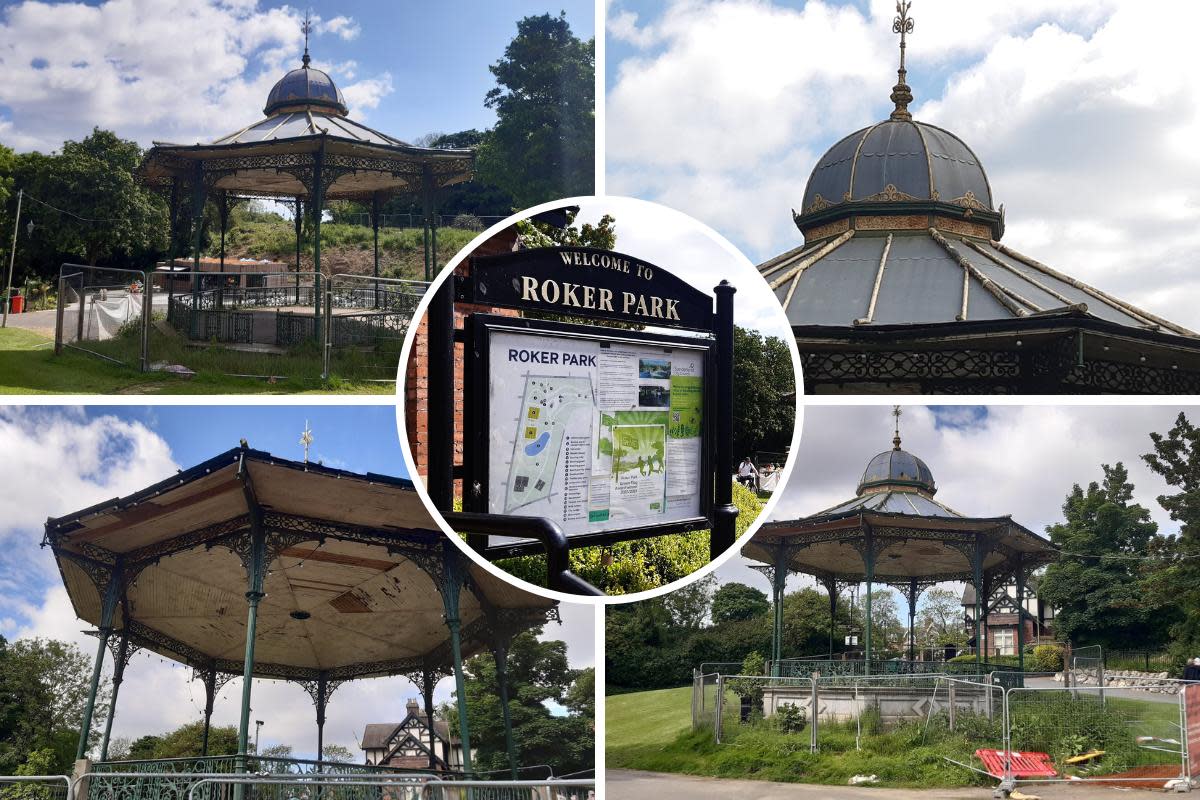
<point x="17" y="305"/>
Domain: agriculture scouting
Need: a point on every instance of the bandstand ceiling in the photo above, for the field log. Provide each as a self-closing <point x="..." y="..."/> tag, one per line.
<point x="348" y="592"/>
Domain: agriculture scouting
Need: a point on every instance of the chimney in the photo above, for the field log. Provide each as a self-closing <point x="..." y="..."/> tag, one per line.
<point x="414" y="708"/>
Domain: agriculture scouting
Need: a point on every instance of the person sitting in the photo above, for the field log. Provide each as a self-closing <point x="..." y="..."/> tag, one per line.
<point x="747" y="473"/>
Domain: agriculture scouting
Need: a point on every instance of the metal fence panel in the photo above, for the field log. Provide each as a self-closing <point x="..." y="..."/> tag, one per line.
<point x="103" y="311"/>
<point x="366" y="319"/>
<point x="35" y="787"/>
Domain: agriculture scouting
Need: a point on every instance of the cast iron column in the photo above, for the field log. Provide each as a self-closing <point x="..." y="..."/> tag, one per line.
<point x="375" y="231"/>
<point x="255" y="573"/>
<point x="427" y="685"/>
<point x="724" y="513"/>
<point x="223" y="212"/>
<point x="299" y="220"/>
<point x="1021" y="612"/>
<point x="500" y="654"/>
<point x="112" y="594"/>
<point x="317" y="203"/>
<point x="778" y="586"/>
<point x="118" y="677"/>
<point x="833" y="601"/>
<point x="454" y="572"/>
<point x="977" y="582"/>
<point x="173" y="214"/>
<point x="869" y="562"/>
<point x="912" y="619"/>
<point x="210" y="696"/>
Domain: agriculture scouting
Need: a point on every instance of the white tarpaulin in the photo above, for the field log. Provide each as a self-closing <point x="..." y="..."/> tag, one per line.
<point x="105" y="313"/>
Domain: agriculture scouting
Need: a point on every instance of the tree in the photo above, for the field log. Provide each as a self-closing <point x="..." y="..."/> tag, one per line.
<point x="688" y="605"/>
<point x="806" y="623"/>
<point x="538" y="674"/>
<point x="543" y="144"/>
<point x="535" y="233"/>
<point x="581" y="696"/>
<point x="43" y="693"/>
<point x="187" y="741"/>
<point x="1096" y="585"/>
<point x="764" y="394"/>
<point x="737" y="601"/>
<point x="1176" y="458"/>
<point x="888" y="634"/>
<point x="939" y="617"/>
<point x="275" y="751"/>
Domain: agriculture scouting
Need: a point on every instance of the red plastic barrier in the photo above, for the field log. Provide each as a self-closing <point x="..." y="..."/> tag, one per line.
<point x="1024" y="765"/>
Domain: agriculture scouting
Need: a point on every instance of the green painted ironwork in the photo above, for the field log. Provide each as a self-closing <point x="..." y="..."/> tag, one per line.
<point x="454" y="574"/>
<point x="112" y="595"/>
<point x="500" y="654"/>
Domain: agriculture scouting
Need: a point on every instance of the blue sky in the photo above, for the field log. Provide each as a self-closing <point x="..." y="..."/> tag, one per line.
<point x="355" y="438"/>
<point x="198" y="69"/>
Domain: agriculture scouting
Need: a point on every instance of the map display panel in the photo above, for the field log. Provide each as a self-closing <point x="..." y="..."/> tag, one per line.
<point x="597" y="435"/>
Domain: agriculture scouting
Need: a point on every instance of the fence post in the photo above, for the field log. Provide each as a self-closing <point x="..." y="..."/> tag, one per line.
<point x="147" y="319"/>
<point x="82" y="304"/>
<point x="58" y="316"/>
<point x="991" y="681"/>
<point x="814" y="709"/>
<point x="327" y="329"/>
<point x="950" y="694"/>
<point x="720" y="705"/>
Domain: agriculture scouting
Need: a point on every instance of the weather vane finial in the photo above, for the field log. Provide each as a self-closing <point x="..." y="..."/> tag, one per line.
<point x="902" y="92"/>
<point x="896" y="412"/>
<point x="307" y="28"/>
<point x="306" y="438"/>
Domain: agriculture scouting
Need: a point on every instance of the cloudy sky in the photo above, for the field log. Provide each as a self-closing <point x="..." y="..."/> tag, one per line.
<point x="58" y="460"/>
<point x="694" y="252"/>
<point x="193" y="70"/>
<point x="1084" y="113"/>
<point x="987" y="460"/>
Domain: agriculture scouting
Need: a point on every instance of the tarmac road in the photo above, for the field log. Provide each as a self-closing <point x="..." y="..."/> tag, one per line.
<point x="623" y="784"/>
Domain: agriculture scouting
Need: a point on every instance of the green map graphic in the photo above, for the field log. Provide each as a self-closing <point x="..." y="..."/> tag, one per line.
<point x="548" y="404"/>
<point x="687" y="402"/>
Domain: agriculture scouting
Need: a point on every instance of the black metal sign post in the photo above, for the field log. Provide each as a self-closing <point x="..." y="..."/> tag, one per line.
<point x="586" y="284"/>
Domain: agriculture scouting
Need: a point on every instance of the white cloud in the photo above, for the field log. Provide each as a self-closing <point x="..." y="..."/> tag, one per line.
<point x="125" y="66"/>
<point x="1082" y="113"/>
<point x="340" y="26"/>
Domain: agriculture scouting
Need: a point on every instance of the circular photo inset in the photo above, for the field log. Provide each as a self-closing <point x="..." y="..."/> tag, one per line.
<point x="599" y="396"/>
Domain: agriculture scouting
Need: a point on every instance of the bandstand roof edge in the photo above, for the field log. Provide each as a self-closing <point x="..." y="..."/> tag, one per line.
<point x="908" y="546"/>
<point x="353" y="587"/>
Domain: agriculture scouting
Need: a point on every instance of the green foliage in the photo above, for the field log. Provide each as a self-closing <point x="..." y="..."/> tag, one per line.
<point x="43" y="693"/>
<point x="764" y="394"/>
<point x="1176" y="457"/>
<point x="538" y="673"/>
<point x="750" y="691"/>
<point x="939" y="619"/>
<point x="1046" y="658"/>
<point x="186" y="741"/>
<point x="338" y="754"/>
<point x="790" y="718"/>
<point x="543" y="144"/>
<point x="602" y="236"/>
<point x="737" y="601"/>
<point x="1104" y="600"/>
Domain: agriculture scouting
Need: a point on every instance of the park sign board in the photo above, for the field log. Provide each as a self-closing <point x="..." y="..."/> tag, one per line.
<point x="600" y="430"/>
<point x="586" y="282"/>
<point x="610" y="431"/>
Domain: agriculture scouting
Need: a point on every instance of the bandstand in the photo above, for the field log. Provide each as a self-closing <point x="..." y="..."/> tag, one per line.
<point x="893" y="532"/>
<point x="253" y="566"/>
<point x="304" y="152"/>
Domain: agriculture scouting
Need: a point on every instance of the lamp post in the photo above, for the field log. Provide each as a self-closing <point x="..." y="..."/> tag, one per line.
<point x="12" y="254"/>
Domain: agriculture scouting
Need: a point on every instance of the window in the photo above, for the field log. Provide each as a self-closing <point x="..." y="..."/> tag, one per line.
<point x="1002" y="642"/>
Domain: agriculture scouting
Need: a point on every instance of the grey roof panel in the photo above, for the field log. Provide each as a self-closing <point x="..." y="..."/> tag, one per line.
<point x="892" y="154"/>
<point x="923" y="284"/>
<point x="831" y="177"/>
<point x="1096" y="306"/>
<point x="893" y="503"/>
<point x="956" y="171"/>
<point x="836" y="290"/>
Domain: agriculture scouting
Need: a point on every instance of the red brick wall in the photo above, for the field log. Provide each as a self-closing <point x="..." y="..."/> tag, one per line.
<point x="416" y="374"/>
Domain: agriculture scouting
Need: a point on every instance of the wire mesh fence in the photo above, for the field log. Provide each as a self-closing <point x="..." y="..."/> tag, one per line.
<point x="366" y="319"/>
<point x="510" y="790"/>
<point x="271" y="325"/>
<point x="704" y="700"/>
<point x="35" y="787"/>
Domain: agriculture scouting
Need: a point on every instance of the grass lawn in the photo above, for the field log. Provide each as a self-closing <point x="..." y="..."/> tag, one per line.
<point x="652" y="731"/>
<point x="28" y="366"/>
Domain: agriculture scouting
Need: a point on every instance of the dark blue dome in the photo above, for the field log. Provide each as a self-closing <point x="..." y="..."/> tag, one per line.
<point x="305" y="87"/>
<point x="898" y="160"/>
<point x="897" y="468"/>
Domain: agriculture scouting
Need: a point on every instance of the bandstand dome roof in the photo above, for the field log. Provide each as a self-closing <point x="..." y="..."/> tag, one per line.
<point x="898" y="469"/>
<point x="899" y="159"/>
<point x="306" y="86"/>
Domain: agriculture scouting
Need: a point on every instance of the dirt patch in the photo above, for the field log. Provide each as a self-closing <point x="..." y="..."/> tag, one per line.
<point x="1140" y="777"/>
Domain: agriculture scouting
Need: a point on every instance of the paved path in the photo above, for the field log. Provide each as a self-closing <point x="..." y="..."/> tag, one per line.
<point x="1129" y="694"/>
<point x="40" y="321"/>
<point x="629" y="785"/>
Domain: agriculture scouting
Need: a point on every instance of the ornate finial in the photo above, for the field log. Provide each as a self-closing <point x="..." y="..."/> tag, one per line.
<point x="896" y="412"/>
<point x="307" y="28"/>
<point x="902" y="92"/>
<point x="306" y="438"/>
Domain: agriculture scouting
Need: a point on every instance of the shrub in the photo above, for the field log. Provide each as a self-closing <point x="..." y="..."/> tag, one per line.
<point x="1048" y="658"/>
<point x="791" y="718"/>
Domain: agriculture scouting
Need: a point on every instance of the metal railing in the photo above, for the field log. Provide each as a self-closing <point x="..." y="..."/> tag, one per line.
<point x="35" y="787"/>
